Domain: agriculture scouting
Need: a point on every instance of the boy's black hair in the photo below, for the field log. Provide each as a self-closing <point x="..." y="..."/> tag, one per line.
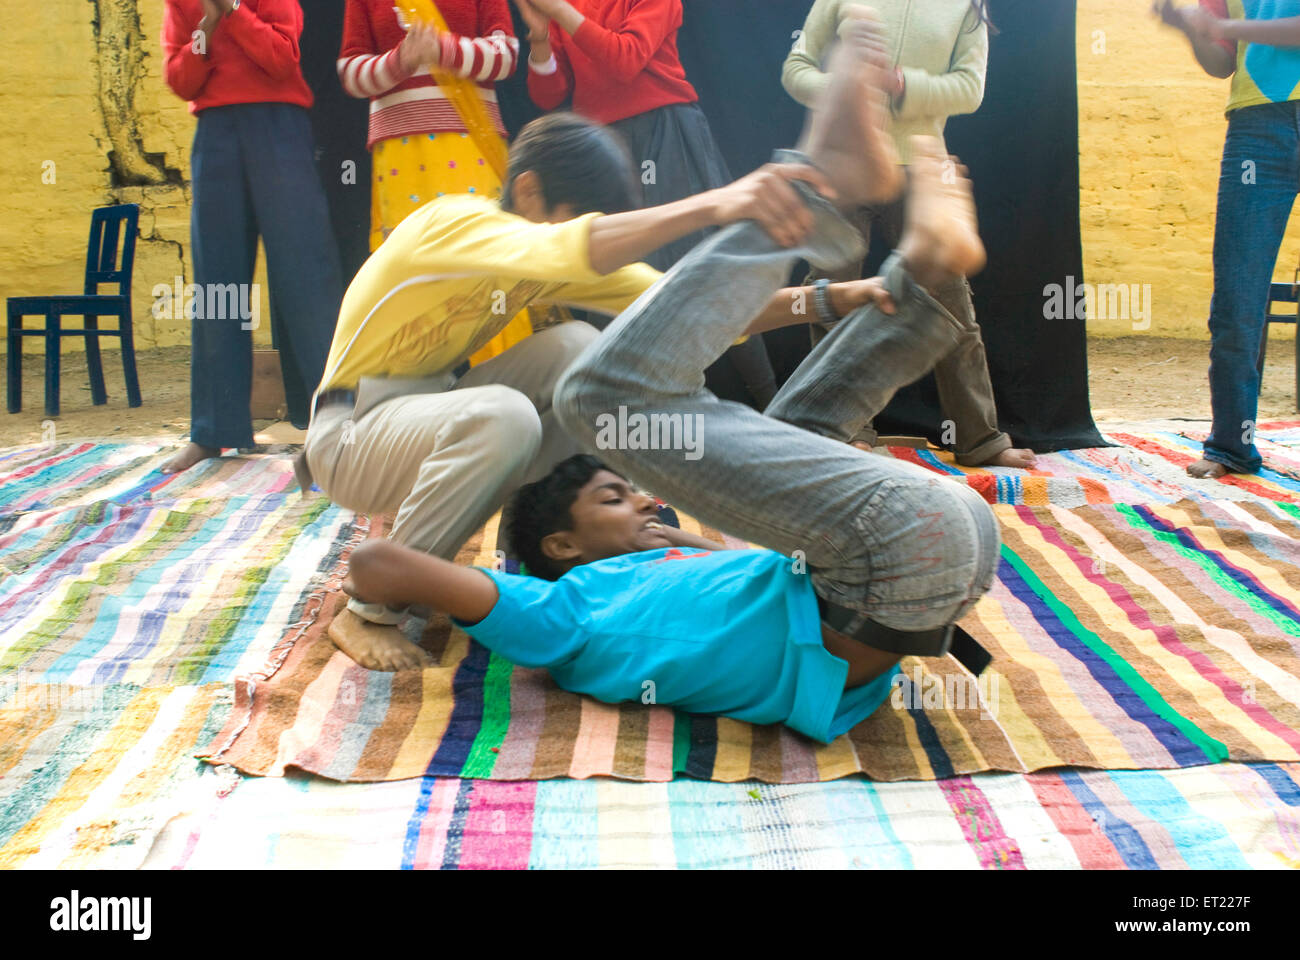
<point x="540" y="509"/>
<point x="578" y="162"/>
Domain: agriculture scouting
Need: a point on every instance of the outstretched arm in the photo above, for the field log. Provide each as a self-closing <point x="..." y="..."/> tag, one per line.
<point x="766" y="196"/>
<point x="795" y="305"/>
<point x="381" y="571"/>
<point x="1284" y="32"/>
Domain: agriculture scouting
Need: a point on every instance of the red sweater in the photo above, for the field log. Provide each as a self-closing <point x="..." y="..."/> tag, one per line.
<point x="252" y="56"/>
<point x="622" y="61"/>
<point x="481" y="45"/>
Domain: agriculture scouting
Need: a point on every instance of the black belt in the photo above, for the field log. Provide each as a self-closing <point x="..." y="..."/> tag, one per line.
<point x="920" y="643"/>
<point x="334" y="398"/>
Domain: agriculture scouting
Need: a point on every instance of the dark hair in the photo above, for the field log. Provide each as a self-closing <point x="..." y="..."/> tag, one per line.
<point x="540" y="509"/>
<point x="578" y="162"/>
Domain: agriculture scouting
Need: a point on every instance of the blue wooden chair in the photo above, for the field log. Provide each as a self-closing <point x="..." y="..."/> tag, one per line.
<point x="1282" y="293"/>
<point x="108" y="227"/>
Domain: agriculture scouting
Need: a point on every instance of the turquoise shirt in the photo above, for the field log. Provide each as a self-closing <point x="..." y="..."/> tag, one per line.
<point x="729" y="632"/>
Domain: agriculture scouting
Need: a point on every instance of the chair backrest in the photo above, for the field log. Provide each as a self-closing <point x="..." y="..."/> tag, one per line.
<point x="1282" y="293"/>
<point x="109" y="228"/>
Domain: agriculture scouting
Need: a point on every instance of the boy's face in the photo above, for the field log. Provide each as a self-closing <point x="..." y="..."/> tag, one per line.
<point x="610" y="518"/>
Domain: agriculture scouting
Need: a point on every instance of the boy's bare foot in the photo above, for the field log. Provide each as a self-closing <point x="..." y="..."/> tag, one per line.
<point x="862" y="445"/>
<point x="191" y="454"/>
<point x="1013" y="457"/>
<point x="375" y="646"/>
<point x="940" y="233"/>
<point x="847" y="136"/>
<point x="1207" y="470"/>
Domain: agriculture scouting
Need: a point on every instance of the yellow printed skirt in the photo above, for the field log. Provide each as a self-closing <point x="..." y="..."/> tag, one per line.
<point x="410" y="171"/>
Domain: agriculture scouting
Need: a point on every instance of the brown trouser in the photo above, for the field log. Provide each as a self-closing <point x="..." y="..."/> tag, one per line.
<point x="965" y="392"/>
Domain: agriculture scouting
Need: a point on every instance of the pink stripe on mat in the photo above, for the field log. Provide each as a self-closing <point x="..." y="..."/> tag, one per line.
<point x="433" y="830"/>
<point x="499" y="826"/>
<point x="981" y="826"/>
<point x="659" y="746"/>
<point x="593" y="753"/>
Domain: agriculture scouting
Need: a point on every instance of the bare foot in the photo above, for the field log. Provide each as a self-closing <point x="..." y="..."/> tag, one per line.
<point x="1207" y="470"/>
<point x="847" y="135"/>
<point x="940" y="233"/>
<point x="191" y="454"/>
<point x="375" y="646"/>
<point x="1013" y="457"/>
<point x="862" y="445"/>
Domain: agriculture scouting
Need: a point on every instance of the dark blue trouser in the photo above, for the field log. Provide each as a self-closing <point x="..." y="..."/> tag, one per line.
<point x="254" y="173"/>
<point x="1257" y="188"/>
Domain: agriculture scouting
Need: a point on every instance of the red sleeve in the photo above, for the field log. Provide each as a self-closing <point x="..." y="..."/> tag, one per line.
<point x="549" y="90"/>
<point x="1219" y="8"/>
<point x="185" y="71"/>
<point x="625" y="48"/>
<point x="357" y="35"/>
<point x="494" y="15"/>
<point x="270" y="36"/>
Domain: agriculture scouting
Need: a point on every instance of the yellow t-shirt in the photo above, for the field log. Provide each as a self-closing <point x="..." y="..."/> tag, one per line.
<point x="450" y="278"/>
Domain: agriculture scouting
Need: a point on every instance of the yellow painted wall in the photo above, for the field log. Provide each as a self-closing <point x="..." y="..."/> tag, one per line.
<point x="53" y="66"/>
<point x="1151" y="129"/>
<point x="1151" y="133"/>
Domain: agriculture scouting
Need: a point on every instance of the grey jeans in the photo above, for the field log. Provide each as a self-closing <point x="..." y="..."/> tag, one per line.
<point x="893" y="542"/>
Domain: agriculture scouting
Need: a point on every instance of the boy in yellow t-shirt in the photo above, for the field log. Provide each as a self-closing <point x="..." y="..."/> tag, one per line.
<point x="394" y="430"/>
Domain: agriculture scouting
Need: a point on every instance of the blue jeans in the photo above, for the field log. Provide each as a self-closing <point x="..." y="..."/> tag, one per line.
<point x="891" y="541"/>
<point x="1257" y="188"/>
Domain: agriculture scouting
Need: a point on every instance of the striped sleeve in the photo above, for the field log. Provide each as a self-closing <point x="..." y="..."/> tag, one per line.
<point x="485" y="59"/>
<point x="371" y="74"/>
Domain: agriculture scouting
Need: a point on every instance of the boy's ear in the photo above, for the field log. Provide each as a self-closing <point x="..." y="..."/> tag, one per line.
<point x="561" y="547"/>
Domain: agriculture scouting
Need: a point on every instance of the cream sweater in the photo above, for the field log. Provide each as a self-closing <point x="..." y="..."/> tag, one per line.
<point x="941" y="45"/>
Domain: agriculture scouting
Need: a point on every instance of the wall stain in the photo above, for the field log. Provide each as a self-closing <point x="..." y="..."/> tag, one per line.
<point x="119" y="43"/>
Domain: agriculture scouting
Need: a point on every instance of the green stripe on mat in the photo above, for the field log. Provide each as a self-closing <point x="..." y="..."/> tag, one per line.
<point x="1213" y="749"/>
<point x="496" y="719"/>
<point x="1216" y="573"/>
<point x="681" y="741"/>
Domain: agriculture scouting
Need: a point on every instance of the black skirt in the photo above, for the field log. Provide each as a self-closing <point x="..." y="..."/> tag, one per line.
<point x="676" y="157"/>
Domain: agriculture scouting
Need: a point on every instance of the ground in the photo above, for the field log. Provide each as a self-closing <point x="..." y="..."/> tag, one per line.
<point x="1131" y="378"/>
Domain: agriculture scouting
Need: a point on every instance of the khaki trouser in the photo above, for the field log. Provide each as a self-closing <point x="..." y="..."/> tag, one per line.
<point x="962" y="376"/>
<point x="445" y="462"/>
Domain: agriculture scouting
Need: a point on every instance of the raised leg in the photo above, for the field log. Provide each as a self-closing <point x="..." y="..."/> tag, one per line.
<point x="98" y="395"/>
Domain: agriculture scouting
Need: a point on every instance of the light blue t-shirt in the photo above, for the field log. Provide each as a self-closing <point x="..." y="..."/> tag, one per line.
<point x="729" y="632"/>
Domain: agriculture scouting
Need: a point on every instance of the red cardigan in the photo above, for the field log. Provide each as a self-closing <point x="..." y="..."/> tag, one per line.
<point x="622" y="61"/>
<point x="252" y="56"/>
<point x="482" y="46"/>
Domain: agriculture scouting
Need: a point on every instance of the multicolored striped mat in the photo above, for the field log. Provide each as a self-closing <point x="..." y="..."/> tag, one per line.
<point x="1227" y="816"/>
<point x="138" y="611"/>
<point x="1124" y="637"/>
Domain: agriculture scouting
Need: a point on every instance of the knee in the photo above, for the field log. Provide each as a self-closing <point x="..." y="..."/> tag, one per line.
<point x="569" y="340"/>
<point x="500" y="423"/>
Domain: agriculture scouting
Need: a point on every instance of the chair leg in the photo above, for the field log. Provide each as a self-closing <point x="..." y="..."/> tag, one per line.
<point x="98" y="395"/>
<point x="128" y="359"/>
<point x="14" y="361"/>
<point x="52" y="339"/>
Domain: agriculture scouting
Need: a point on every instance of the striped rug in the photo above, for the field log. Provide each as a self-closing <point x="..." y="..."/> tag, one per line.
<point x="1226" y="816"/>
<point x="1125" y="637"/>
<point x="217" y="584"/>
